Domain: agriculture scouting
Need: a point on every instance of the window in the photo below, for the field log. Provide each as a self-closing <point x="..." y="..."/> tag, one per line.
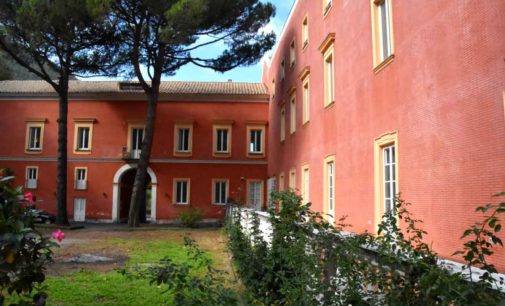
<point x="327" y="6"/>
<point x="329" y="188"/>
<point x="282" y="122"/>
<point x="382" y="32"/>
<point x="183" y="145"/>
<point x="255" y="141"/>
<point x="136" y="134"/>
<point x="222" y="140"/>
<point x="83" y="135"/>
<point x="292" y="53"/>
<point x="79" y="209"/>
<point x="81" y="178"/>
<point x="292" y="180"/>
<point x="255" y="194"/>
<point x="305" y="184"/>
<point x="34" y="135"/>
<point x="273" y="88"/>
<point x="329" y="79"/>
<point x="283" y="69"/>
<point x="389" y="178"/>
<point x="181" y="191"/>
<point x="306" y="99"/>
<point x="292" y="114"/>
<point x="219" y="191"/>
<point x="305" y="32"/>
<point x="386" y="174"/>
<point x="271" y="187"/>
<point x="281" y="181"/>
<point x="32" y="176"/>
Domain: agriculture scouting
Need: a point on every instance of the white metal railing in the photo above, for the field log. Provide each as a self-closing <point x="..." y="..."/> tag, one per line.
<point x="81" y="185"/>
<point x="31" y="184"/>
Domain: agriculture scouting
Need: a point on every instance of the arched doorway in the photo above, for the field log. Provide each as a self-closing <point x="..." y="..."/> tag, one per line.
<point x="121" y="195"/>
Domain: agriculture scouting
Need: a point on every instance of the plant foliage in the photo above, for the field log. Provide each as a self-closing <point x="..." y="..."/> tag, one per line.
<point x="307" y="261"/>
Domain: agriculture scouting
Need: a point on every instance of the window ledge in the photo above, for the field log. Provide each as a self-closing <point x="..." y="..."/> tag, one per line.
<point x="255" y="155"/>
<point x="33" y="151"/>
<point x="82" y="152"/>
<point x="305" y="44"/>
<point x="384" y="63"/>
<point x="183" y="154"/>
<point x="222" y="154"/>
<point x="181" y="204"/>
<point x="329" y="105"/>
<point x="306" y="123"/>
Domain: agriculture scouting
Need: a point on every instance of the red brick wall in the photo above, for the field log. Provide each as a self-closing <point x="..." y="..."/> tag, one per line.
<point x="443" y="94"/>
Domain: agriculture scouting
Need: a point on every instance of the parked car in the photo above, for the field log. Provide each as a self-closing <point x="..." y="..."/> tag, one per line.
<point x="42" y="216"/>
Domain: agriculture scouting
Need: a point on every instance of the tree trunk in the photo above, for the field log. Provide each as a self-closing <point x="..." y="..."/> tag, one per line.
<point x="61" y="179"/>
<point x="139" y="185"/>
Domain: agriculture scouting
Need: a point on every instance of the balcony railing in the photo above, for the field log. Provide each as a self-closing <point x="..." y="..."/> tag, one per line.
<point x="81" y="185"/>
<point x="31" y="184"/>
<point x="130" y="155"/>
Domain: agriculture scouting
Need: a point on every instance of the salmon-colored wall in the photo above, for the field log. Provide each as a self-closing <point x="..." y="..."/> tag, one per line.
<point x="110" y="132"/>
<point x="443" y="94"/>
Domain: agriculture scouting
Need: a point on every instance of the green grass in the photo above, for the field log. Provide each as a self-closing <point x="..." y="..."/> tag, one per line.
<point x="112" y="288"/>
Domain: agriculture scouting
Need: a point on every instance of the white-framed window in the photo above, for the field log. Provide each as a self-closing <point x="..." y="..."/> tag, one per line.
<point x="292" y="180"/>
<point x="271" y="187"/>
<point x="389" y="178"/>
<point x="81" y="178"/>
<point x="219" y="191"/>
<point x="329" y="80"/>
<point x="181" y="191"/>
<point x="136" y="134"/>
<point x="34" y="138"/>
<point x="327" y="6"/>
<point x="34" y="135"/>
<point x="32" y="176"/>
<point x="305" y="184"/>
<point x="382" y="31"/>
<point x="255" y="194"/>
<point x="329" y="188"/>
<point x="183" y="139"/>
<point x="281" y="181"/>
<point x="306" y="99"/>
<point x="282" y="122"/>
<point x="256" y="141"/>
<point x="292" y="53"/>
<point x="83" y="135"/>
<point x="222" y="139"/>
<point x="292" y="114"/>
<point x="273" y="88"/>
<point x="305" y="32"/>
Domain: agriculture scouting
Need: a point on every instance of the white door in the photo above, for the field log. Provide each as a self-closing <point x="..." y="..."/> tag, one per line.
<point x="79" y="209"/>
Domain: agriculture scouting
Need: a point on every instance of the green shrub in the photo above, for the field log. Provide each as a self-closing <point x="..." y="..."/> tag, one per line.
<point x="310" y="262"/>
<point x="190" y="217"/>
<point x="24" y="252"/>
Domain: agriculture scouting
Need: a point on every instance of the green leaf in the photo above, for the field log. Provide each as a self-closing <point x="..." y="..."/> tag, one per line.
<point x="497" y="228"/>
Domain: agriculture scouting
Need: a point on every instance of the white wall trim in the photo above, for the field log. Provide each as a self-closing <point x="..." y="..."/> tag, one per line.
<point x="116" y="191"/>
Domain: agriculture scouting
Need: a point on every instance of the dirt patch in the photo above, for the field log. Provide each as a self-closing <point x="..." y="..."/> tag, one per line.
<point x="102" y="241"/>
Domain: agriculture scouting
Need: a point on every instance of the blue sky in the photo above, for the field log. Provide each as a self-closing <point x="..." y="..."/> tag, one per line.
<point x="242" y="74"/>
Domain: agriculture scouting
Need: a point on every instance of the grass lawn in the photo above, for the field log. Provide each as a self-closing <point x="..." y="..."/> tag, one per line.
<point x="98" y="284"/>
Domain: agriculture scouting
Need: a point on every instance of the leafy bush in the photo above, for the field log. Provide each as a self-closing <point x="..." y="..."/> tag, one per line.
<point x="24" y="251"/>
<point x="190" y="217"/>
<point x="307" y="261"/>
<point x="186" y="284"/>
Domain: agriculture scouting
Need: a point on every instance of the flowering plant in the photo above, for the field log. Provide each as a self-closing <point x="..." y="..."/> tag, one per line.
<point x="24" y="252"/>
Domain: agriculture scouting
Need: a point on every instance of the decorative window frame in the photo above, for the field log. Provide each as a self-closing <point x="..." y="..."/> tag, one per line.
<point x="131" y="126"/>
<point x="262" y="191"/>
<point x="183" y="124"/>
<point x="292" y="53"/>
<point x="385" y="140"/>
<point x="326" y="206"/>
<point x="222" y="126"/>
<point x="304" y="190"/>
<point x="305" y="32"/>
<point x="282" y="123"/>
<point x="76" y="169"/>
<point x="83" y="123"/>
<point x="292" y="111"/>
<point x="34" y="122"/>
<point x="292" y="179"/>
<point x="305" y="79"/>
<point x="282" y="182"/>
<point x="249" y="128"/>
<point x="380" y="63"/>
<point x="213" y="199"/>
<point x="327" y="49"/>
<point x="327" y="6"/>
<point x="27" y="169"/>
<point x="174" y="191"/>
